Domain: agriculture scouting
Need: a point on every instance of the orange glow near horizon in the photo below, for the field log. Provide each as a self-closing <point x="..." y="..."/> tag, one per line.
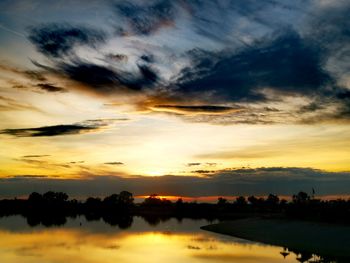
<point x="214" y="198"/>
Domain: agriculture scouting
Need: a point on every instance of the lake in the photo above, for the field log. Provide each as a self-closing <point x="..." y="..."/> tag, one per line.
<point x="166" y="241"/>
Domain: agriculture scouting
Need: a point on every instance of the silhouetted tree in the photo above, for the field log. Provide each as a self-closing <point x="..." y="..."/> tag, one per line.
<point x="222" y="201"/>
<point x="272" y="201"/>
<point x="126" y="198"/>
<point x="253" y="200"/>
<point x="54" y="197"/>
<point x="52" y="208"/>
<point x="35" y="197"/>
<point x="111" y="200"/>
<point x="241" y="201"/>
<point x="179" y="202"/>
<point x="301" y="198"/>
<point x="152" y="200"/>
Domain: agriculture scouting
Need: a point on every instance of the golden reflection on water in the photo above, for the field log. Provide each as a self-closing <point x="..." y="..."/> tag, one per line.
<point x="58" y="245"/>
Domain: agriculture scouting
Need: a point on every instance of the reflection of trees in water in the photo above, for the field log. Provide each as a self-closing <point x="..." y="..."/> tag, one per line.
<point x="123" y="222"/>
<point x="154" y="220"/>
<point x="46" y="220"/>
<point x="307" y="257"/>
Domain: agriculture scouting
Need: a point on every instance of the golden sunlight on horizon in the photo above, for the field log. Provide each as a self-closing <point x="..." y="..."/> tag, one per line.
<point x="174" y="147"/>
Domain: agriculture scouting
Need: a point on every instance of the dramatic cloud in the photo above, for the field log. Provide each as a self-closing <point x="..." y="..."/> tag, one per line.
<point x="286" y="63"/>
<point x="233" y="64"/>
<point x="57" y="130"/>
<point x="55" y="40"/>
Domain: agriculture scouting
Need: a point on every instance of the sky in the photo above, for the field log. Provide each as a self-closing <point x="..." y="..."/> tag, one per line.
<point x="183" y="97"/>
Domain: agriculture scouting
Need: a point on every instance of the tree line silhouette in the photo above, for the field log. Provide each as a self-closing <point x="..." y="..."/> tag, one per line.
<point x="53" y="208"/>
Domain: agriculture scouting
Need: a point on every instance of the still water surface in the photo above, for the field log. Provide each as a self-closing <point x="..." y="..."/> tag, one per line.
<point x="170" y="241"/>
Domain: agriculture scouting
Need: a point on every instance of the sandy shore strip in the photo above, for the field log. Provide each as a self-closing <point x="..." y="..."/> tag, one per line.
<point x="317" y="238"/>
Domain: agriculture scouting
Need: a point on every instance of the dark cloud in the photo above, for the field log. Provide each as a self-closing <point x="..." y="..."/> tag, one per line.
<point x="258" y="181"/>
<point x="104" y="79"/>
<point x="202" y="171"/>
<point x="193" y="164"/>
<point x="149" y="58"/>
<point x="35" y="156"/>
<point x="93" y="75"/>
<point x="41" y="87"/>
<point x="35" y="75"/>
<point x="57" y="130"/>
<point x="117" y="57"/>
<point x="38" y="80"/>
<point x="311" y="107"/>
<point x="144" y="19"/>
<point x="49" y="130"/>
<point x="198" y="108"/>
<point x="50" y="88"/>
<point x="286" y="64"/>
<point x="149" y="76"/>
<point x="56" y="40"/>
<point x="344" y="101"/>
<point x="114" y="163"/>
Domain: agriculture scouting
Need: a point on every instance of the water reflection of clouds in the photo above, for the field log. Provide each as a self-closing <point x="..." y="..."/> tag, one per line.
<point x="169" y="242"/>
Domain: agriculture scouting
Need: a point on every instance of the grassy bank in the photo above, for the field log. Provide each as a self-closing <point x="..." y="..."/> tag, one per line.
<point x="318" y="238"/>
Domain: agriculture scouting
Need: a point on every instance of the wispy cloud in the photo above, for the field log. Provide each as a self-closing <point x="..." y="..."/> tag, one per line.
<point x="143" y="18"/>
<point x="9" y="104"/>
<point x="114" y="163"/>
<point x="36" y="156"/>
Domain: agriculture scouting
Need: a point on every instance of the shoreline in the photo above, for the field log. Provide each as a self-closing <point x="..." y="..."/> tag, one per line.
<point x="323" y="239"/>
